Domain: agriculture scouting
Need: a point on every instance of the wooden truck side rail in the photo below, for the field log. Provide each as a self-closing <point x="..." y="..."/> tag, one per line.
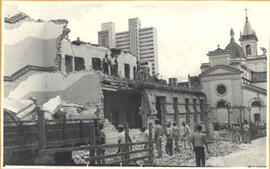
<point x="25" y="135"/>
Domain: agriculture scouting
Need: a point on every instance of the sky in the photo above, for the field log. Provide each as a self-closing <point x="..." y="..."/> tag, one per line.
<point x="186" y="31"/>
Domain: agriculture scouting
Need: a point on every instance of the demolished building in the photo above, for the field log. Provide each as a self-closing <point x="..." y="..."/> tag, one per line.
<point x="46" y="64"/>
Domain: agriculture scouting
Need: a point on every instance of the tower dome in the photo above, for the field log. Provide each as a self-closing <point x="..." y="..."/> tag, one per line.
<point x="237" y="50"/>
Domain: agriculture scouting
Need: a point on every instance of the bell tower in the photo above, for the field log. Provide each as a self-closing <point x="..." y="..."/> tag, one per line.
<point x="248" y="39"/>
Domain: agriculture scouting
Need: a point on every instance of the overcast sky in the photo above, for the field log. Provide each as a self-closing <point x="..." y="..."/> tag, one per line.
<point x="186" y="31"/>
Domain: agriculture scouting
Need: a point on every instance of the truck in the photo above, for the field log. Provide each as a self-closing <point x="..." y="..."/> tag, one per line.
<point x="23" y="140"/>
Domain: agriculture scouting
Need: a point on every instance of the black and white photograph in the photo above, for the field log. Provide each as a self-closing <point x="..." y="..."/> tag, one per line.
<point x="135" y="83"/>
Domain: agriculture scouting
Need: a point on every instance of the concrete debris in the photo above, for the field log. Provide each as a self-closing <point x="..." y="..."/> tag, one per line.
<point x="187" y="157"/>
<point x="55" y="108"/>
<point x="23" y="109"/>
<point x="53" y="105"/>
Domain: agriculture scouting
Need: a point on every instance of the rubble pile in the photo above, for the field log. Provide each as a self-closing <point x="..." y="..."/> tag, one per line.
<point x="79" y="157"/>
<point x="187" y="157"/>
<point x="224" y="135"/>
<point x="222" y="148"/>
<point x="54" y="108"/>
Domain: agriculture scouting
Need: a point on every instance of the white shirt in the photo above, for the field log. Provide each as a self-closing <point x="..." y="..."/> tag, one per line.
<point x="145" y="135"/>
<point x="121" y="137"/>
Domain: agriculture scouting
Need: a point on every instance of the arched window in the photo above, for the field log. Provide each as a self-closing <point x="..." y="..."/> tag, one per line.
<point x="221" y="104"/>
<point x="256" y="104"/>
<point x="248" y="50"/>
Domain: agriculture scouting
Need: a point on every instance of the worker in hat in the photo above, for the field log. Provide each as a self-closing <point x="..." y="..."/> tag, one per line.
<point x="158" y="136"/>
<point x="100" y="141"/>
<point x="122" y="140"/>
<point x="169" y="139"/>
<point x="176" y="134"/>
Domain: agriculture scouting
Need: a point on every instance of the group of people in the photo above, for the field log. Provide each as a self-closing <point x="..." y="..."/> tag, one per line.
<point x="238" y="135"/>
<point x="195" y="141"/>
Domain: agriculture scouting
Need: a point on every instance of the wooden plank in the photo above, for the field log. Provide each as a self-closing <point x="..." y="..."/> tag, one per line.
<point x="126" y="140"/>
<point x="20" y="148"/>
<point x="41" y="134"/>
<point x="92" y="151"/>
<point x="64" y="129"/>
<point x="81" y="129"/>
<point x="117" y="154"/>
<point x="151" y="154"/>
<point x="76" y="148"/>
<point x="20" y="134"/>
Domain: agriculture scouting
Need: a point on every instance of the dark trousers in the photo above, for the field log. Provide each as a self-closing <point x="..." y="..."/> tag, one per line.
<point x="169" y="146"/>
<point x="200" y="156"/>
<point x="100" y="152"/>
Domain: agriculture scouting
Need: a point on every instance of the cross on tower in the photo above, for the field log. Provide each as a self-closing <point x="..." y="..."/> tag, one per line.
<point x="246" y="9"/>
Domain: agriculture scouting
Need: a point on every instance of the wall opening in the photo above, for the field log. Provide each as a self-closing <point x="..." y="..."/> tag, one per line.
<point x="161" y="110"/>
<point x="187" y="110"/>
<point x="158" y="108"/>
<point x="248" y="50"/>
<point x="69" y="63"/>
<point x="134" y="72"/>
<point x="176" y="111"/>
<point x="96" y="64"/>
<point x="79" y="64"/>
<point x="201" y="108"/>
<point x="221" y="104"/>
<point x="195" y="109"/>
<point x="123" y="106"/>
<point x="127" y="71"/>
<point x="256" y="104"/>
<point x="257" y="117"/>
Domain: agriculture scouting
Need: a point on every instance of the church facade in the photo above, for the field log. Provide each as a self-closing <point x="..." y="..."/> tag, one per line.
<point x="235" y="80"/>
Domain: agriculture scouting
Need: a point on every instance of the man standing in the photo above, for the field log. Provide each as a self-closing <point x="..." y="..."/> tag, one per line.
<point x="169" y="140"/>
<point x="186" y="135"/>
<point x="246" y="134"/>
<point x="101" y="141"/>
<point x="176" y="133"/>
<point x="198" y="141"/>
<point x="121" y="140"/>
<point x="158" y="133"/>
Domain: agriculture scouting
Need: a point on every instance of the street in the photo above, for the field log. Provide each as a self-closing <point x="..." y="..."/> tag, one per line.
<point x="253" y="154"/>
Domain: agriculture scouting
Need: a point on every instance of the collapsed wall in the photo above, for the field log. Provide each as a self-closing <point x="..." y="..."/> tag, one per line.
<point x="81" y="88"/>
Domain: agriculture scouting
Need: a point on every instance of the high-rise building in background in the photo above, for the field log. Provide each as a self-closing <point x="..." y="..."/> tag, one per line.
<point x="106" y="37"/>
<point x="140" y="42"/>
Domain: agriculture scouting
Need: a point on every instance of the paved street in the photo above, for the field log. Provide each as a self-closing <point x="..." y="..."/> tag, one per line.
<point x="249" y="155"/>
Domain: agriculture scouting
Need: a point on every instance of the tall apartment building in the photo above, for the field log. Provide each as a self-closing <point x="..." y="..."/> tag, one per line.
<point x="140" y="42"/>
<point x="106" y="37"/>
